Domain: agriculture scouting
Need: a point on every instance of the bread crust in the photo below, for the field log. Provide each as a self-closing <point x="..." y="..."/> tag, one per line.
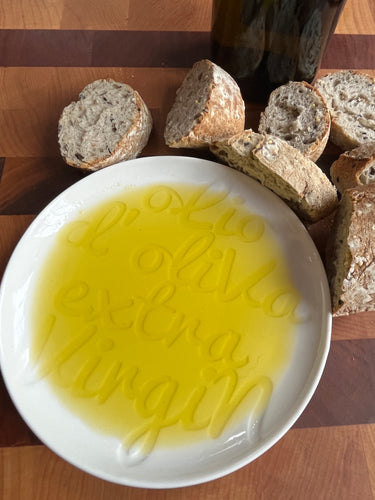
<point x="340" y="134"/>
<point x="317" y="147"/>
<point x="353" y="235"/>
<point x="347" y="169"/>
<point x="223" y="114"/>
<point x="283" y="169"/>
<point x="339" y="137"/>
<point x="133" y="141"/>
<point x="316" y="196"/>
<point x="131" y="144"/>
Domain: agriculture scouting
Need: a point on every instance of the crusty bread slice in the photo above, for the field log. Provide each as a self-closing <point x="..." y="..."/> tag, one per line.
<point x="350" y="256"/>
<point x="350" y="97"/>
<point x="283" y="169"/>
<point x="297" y="113"/>
<point x="208" y="107"/>
<point x="110" y="122"/>
<point x="354" y="167"/>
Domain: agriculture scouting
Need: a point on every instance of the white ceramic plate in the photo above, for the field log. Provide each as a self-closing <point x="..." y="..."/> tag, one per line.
<point x="100" y="455"/>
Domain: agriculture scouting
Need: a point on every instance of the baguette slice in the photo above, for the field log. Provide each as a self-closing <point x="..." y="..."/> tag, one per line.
<point x="350" y="257"/>
<point x="297" y="113"/>
<point x="350" y="97"/>
<point x="208" y="107"/>
<point x="110" y="122"/>
<point x="354" y="168"/>
<point x="283" y="169"/>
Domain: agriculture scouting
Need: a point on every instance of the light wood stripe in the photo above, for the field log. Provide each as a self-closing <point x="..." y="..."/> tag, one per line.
<point x="32" y="99"/>
<point x="161" y="15"/>
<point x="358" y="16"/>
<point x="36" y="472"/>
<point x="364" y="327"/>
<point x="109" y="15"/>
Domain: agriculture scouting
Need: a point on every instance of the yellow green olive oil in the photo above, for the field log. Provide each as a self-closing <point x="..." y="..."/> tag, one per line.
<point x="164" y="316"/>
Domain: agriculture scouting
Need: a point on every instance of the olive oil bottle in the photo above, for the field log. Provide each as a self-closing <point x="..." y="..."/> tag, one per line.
<point x="266" y="43"/>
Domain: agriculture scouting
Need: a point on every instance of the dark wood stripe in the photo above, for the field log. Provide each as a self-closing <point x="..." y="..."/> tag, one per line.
<point x="350" y="52"/>
<point x="71" y="48"/>
<point x="345" y="395"/>
<point x="2" y="162"/>
<point x="13" y="430"/>
<point x="149" y="49"/>
<point x="45" y="48"/>
<point x="81" y="48"/>
<point x="29" y="184"/>
<point x="11" y="230"/>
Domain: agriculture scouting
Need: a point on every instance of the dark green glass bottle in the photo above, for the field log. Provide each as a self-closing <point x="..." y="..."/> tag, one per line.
<point x="265" y="43"/>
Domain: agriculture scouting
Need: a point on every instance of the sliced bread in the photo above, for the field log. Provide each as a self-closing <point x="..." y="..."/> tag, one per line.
<point x="350" y="256"/>
<point x="283" y="169"/>
<point x="297" y="113"/>
<point x="350" y="97"/>
<point x="354" y="167"/>
<point x="110" y="122"/>
<point x="208" y="107"/>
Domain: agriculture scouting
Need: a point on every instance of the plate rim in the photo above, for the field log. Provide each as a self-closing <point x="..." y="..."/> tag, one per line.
<point x="304" y="398"/>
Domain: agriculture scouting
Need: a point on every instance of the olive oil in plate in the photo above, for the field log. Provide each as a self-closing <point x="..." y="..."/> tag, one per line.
<point x="165" y="315"/>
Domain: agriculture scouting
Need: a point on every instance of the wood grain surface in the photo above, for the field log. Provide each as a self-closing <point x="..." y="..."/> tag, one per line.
<point x="49" y="50"/>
